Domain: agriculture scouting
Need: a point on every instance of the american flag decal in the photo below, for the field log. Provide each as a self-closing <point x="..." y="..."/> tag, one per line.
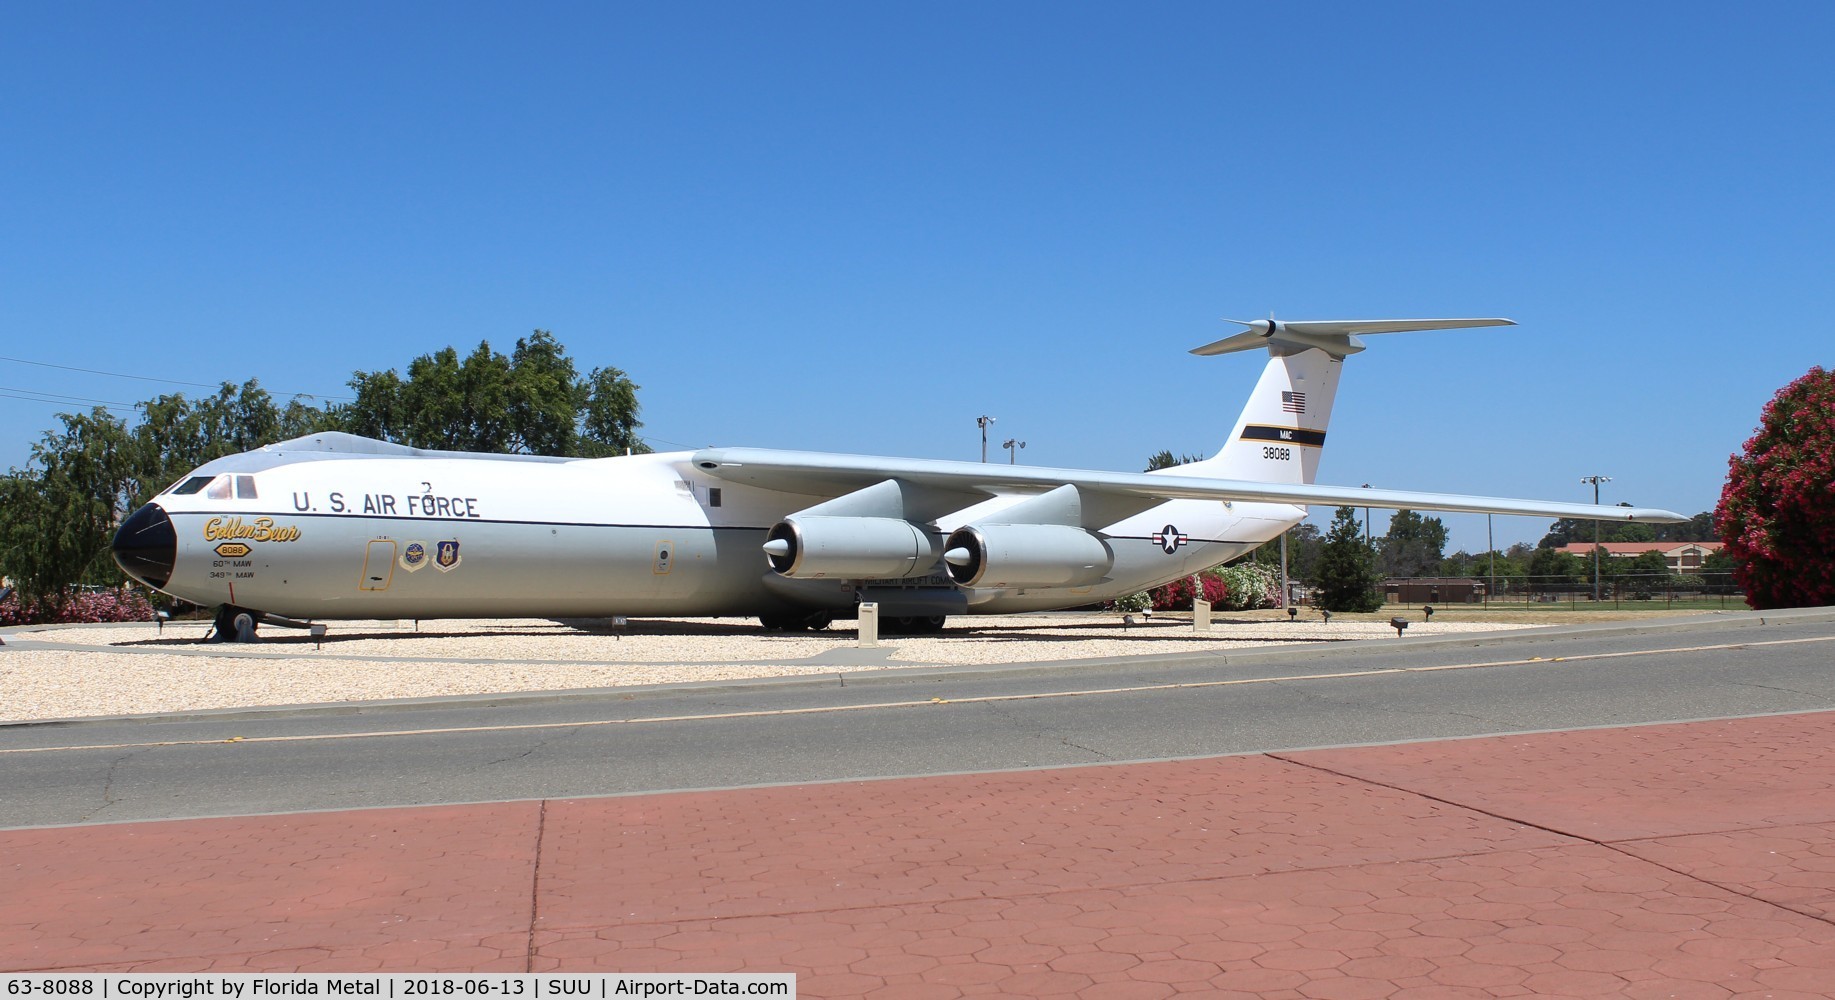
<point x="1293" y="402"/>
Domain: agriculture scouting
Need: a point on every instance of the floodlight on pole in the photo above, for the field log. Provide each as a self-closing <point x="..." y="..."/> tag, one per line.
<point x="1012" y="445"/>
<point x="1595" y="480"/>
<point x="983" y="422"/>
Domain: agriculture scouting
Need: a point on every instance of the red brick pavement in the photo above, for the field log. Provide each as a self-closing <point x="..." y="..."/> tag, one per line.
<point x="1692" y="860"/>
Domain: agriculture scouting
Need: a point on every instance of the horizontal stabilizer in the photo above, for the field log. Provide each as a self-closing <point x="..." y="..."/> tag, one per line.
<point x="1337" y="337"/>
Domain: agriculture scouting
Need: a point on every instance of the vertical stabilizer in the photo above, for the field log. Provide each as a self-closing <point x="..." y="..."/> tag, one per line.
<point x="1281" y="433"/>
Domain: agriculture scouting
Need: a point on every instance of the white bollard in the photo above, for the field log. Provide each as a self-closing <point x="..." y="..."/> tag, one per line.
<point x="1200" y="616"/>
<point x="868" y="625"/>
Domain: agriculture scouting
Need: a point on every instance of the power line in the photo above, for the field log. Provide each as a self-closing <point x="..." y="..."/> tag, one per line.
<point x="60" y="396"/>
<point x="149" y="378"/>
<point x="54" y="402"/>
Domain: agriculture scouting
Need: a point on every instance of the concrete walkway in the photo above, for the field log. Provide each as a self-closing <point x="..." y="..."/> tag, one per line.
<point x="1689" y="860"/>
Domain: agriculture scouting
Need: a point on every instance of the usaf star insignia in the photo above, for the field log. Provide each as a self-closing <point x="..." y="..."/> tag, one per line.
<point x="1169" y="539"/>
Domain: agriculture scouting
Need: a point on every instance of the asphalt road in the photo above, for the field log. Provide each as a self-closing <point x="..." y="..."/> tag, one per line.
<point x="962" y="720"/>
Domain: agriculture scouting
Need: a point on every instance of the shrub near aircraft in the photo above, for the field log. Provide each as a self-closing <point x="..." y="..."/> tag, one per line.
<point x="334" y="526"/>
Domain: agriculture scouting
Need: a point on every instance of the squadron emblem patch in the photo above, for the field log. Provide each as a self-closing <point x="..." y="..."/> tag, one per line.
<point x="446" y="555"/>
<point x="1169" y="539"/>
<point x="413" y="556"/>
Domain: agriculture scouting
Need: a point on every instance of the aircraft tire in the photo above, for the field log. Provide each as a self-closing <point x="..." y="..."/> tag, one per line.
<point x="235" y="624"/>
<point x="915" y="624"/>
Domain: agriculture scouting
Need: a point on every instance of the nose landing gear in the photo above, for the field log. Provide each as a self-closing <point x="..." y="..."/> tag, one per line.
<point x="235" y="625"/>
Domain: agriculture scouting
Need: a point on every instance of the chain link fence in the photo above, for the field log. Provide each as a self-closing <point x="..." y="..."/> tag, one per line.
<point x="1629" y="592"/>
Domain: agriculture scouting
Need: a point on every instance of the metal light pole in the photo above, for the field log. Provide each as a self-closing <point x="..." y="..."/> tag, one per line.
<point x="1595" y="480"/>
<point x="1012" y="445"/>
<point x="1286" y="587"/>
<point x="1366" y="522"/>
<point x="983" y="422"/>
<point x="1490" y="546"/>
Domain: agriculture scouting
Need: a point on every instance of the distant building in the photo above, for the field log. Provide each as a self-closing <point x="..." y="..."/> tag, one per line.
<point x="1434" y="590"/>
<point x="1683" y="557"/>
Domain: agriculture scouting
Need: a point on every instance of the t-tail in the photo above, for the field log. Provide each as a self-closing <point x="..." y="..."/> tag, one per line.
<point x="1281" y="433"/>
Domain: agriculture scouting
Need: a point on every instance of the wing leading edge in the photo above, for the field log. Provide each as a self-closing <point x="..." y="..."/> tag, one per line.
<point x="820" y="474"/>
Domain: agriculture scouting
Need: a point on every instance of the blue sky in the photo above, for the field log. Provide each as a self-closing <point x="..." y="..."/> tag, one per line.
<point x="856" y="227"/>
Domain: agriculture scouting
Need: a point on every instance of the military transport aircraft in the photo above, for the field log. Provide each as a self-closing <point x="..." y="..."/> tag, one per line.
<point x="335" y="526"/>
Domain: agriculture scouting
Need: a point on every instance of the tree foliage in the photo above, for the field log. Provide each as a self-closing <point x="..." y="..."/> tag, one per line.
<point x="58" y="515"/>
<point x="1165" y="460"/>
<point x="1346" y="578"/>
<point x="1552" y="569"/>
<point x="1569" y="530"/>
<point x="530" y="402"/>
<point x="1414" y="545"/>
<point x="1777" y="510"/>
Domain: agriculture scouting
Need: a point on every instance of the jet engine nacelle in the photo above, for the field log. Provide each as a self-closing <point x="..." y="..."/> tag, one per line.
<point x="876" y="548"/>
<point x="1026" y="555"/>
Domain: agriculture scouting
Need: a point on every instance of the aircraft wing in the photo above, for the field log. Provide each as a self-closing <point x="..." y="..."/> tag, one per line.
<point x="819" y="474"/>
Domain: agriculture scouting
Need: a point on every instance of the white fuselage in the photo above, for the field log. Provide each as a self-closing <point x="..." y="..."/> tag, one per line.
<point x="382" y="537"/>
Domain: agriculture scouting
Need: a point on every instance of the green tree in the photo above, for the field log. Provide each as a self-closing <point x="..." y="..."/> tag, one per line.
<point x="61" y="511"/>
<point x="1345" y="577"/>
<point x="1777" y="510"/>
<point x="546" y="397"/>
<point x="1165" y="460"/>
<point x="1569" y="530"/>
<point x="1413" y="546"/>
<point x="608" y="426"/>
<point x="379" y="411"/>
<point x="532" y="402"/>
<point x="1699" y="528"/>
<point x="1640" y="574"/>
<point x="1555" y="570"/>
<point x="1303" y="543"/>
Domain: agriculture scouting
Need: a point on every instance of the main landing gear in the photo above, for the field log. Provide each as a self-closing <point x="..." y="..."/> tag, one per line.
<point x="236" y="625"/>
<point x="913" y="624"/>
<point x="898" y="625"/>
<point x="796" y="623"/>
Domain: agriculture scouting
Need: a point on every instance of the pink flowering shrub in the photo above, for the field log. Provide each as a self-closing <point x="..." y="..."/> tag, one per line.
<point x="78" y="607"/>
<point x="1777" y="511"/>
<point x="1176" y="596"/>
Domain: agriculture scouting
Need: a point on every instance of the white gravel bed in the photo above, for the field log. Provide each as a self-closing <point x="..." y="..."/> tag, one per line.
<point x="134" y="669"/>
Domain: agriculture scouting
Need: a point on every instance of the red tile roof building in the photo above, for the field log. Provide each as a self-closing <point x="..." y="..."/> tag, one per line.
<point x="1683" y="557"/>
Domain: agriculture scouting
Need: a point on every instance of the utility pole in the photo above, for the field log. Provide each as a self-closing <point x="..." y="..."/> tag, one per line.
<point x="1011" y="444"/>
<point x="983" y="422"/>
<point x="1595" y="480"/>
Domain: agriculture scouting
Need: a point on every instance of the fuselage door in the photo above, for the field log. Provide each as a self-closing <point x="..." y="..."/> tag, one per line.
<point x="378" y="565"/>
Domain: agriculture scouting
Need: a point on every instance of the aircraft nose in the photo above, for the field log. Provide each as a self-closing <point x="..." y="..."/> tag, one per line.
<point x="146" y="546"/>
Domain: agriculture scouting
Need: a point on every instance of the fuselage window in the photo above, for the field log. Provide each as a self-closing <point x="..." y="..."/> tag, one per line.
<point x="713" y="496"/>
<point x="192" y="485"/>
<point x="219" y="489"/>
<point x="245" y="488"/>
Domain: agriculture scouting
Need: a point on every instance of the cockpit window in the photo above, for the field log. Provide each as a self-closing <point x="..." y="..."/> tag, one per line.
<point x="219" y="489"/>
<point x="192" y="485"/>
<point x="245" y="488"/>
